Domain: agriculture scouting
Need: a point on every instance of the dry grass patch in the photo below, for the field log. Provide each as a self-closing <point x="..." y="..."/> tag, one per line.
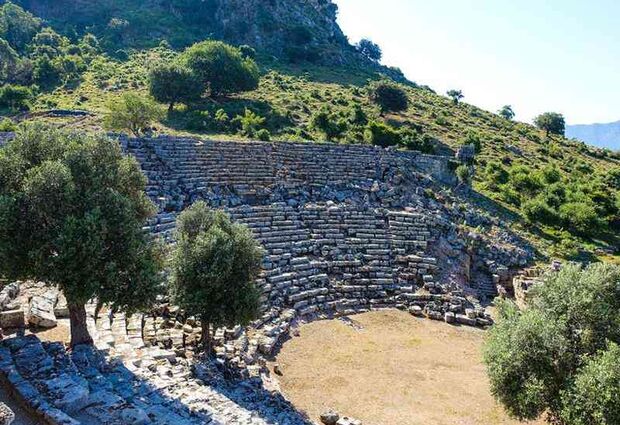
<point x="396" y="370"/>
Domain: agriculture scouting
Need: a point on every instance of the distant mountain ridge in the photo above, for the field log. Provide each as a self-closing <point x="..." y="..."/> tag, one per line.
<point x="601" y="135"/>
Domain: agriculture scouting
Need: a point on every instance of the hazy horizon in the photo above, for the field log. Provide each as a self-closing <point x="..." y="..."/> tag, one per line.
<point x="536" y="57"/>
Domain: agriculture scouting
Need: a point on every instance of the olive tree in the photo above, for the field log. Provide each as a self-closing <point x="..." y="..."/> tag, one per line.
<point x="369" y="50"/>
<point x="455" y="95"/>
<point x="72" y="207"/>
<point x="506" y="112"/>
<point x="132" y="111"/>
<point x="171" y="83"/>
<point x="551" y="123"/>
<point x="556" y="351"/>
<point x="221" y="67"/>
<point x="389" y="96"/>
<point x="214" y="265"/>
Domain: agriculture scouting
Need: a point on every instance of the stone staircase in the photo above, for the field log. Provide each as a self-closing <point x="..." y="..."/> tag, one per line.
<point x="123" y="381"/>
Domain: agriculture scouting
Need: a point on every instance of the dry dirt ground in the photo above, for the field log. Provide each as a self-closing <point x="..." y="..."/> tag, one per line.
<point x="395" y="370"/>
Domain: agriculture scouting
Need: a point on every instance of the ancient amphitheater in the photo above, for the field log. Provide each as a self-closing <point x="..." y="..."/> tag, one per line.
<point x="346" y="229"/>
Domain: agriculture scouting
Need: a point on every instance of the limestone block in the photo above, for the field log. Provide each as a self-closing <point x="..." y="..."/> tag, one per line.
<point x="330" y="418"/>
<point x="12" y="319"/>
<point x="41" y="310"/>
<point x="6" y="415"/>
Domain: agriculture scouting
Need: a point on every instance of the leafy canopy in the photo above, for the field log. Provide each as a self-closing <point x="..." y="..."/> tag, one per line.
<point x="171" y="83"/>
<point x="551" y="122"/>
<point x="132" y="111"/>
<point x="221" y="67"/>
<point x="388" y="96"/>
<point x="561" y="347"/>
<point x="214" y="265"/>
<point x="72" y="209"/>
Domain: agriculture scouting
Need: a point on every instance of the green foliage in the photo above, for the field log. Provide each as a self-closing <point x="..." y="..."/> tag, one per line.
<point x="593" y="399"/>
<point x="221" y="68"/>
<point x="506" y="112"/>
<point x="17" y="26"/>
<point x="15" y="97"/>
<point x="250" y="122"/>
<point x="537" y="210"/>
<point x="535" y="358"/>
<point x="455" y="95"/>
<point x="6" y="124"/>
<point x="388" y="96"/>
<point x="369" y="50"/>
<point x="72" y="207"/>
<point x="214" y="264"/>
<point x="472" y="138"/>
<point x="551" y="123"/>
<point x="133" y="112"/>
<point x="263" y="135"/>
<point x="170" y="82"/>
<point x="328" y="124"/>
<point x="463" y="174"/>
<point x="380" y="134"/>
<point x="581" y="218"/>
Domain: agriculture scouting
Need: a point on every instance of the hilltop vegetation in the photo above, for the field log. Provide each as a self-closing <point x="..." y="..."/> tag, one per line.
<point x="561" y="193"/>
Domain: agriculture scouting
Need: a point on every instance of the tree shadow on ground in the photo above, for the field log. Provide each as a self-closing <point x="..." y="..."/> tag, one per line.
<point x="87" y="385"/>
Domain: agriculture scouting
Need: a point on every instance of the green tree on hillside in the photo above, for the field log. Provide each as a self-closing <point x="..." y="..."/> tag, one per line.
<point x="388" y="96"/>
<point x="328" y="123"/>
<point x="171" y="83"/>
<point x="455" y="95"/>
<point x="507" y="112"/>
<point x="133" y="112"/>
<point x="214" y="265"/>
<point x="15" y="97"/>
<point x="17" y="26"/>
<point x="72" y="207"/>
<point x="559" y="356"/>
<point x="369" y="50"/>
<point x="221" y="67"/>
<point x="551" y="122"/>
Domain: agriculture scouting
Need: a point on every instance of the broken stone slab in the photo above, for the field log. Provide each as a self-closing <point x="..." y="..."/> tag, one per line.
<point x="348" y="421"/>
<point x="12" y="319"/>
<point x="8" y="294"/>
<point x="41" y="310"/>
<point x="6" y="415"/>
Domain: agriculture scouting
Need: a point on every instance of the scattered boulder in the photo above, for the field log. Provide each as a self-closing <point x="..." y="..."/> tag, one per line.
<point x="12" y="319"/>
<point x="330" y="418"/>
<point x="348" y="421"/>
<point x="6" y="415"/>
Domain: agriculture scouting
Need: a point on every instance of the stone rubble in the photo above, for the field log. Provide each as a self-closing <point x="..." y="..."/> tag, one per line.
<point x="7" y="417"/>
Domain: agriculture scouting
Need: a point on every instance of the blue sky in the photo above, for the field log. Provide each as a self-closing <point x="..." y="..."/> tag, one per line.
<point x="536" y="55"/>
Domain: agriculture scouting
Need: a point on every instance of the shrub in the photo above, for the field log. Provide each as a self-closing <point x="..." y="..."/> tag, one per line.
<point x="472" y="138"/>
<point x="463" y="174"/>
<point x="7" y="124"/>
<point x="263" y="135"/>
<point x="221" y="67"/>
<point x="561" y="349"/>
<point x="581" y="218"/>
<point x="380" y="134"/>
<point x="328" y="123"/>
<point x="15" y="97"/>
<point x="133" y="112"/>
<point x="388" y="96"/>
<point x="214" y="264"/>
<point x="249" y="122"/>
<point x="171" y="83"/>
<point x="538" y="211"/>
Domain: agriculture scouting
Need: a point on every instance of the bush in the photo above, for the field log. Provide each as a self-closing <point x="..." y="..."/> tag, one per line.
<point x="472" y="138"/>
<point x="7" y="125"/>
<point x="538" y="211"/>
<point x="388" y="96"/>
<point x="263" y="135"/>
<point x="249" y="122"/>
<point x="133" y="112"/>
<point x="328" y="123"/>
<point x="15" y="97"/>
<point x="221" y="67"/>
<point x="380" y="134"/>
<point x="581" y="218"/>
<point x="463" y="174"/>
<point x="537" y="359"/>
<point x="369" y="50"/>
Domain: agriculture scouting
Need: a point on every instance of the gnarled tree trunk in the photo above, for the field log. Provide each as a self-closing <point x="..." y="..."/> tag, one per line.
<point x="206" y="337"/>
<point x="79" y="330"/>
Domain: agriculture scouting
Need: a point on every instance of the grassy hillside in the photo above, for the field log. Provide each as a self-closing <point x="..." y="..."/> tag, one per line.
<point x="561" y="194"/>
